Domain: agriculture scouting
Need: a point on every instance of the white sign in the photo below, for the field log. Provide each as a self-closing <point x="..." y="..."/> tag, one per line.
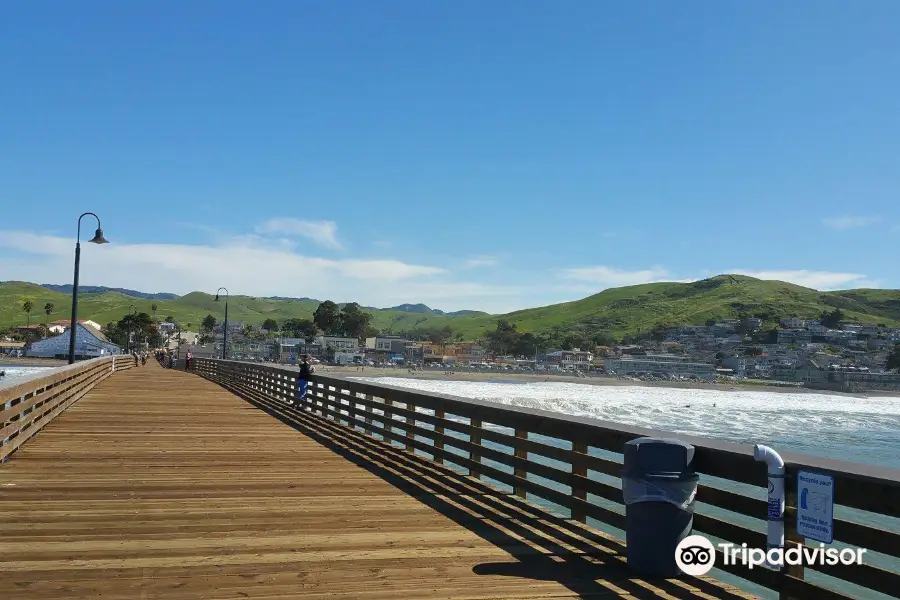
<point x="815" y="506"/>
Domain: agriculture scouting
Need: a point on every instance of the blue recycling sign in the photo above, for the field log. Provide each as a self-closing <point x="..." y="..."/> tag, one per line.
<point x="815" y="506"/>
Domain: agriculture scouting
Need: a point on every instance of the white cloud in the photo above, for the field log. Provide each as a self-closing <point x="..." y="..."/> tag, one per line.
<point x="481" y="261"/>
<point x="250" y="265"/>
<point x="323" y="233"/>
<point x="608" y="277"/>
<point x="818" y="280"/>
<point x="847" y="222"/>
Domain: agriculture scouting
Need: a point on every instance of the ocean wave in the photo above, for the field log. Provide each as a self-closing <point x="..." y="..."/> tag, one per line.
<point x="836" y="426"/>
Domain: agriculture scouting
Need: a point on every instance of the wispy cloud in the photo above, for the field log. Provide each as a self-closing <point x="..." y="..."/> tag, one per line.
<point x="252" y="265"/>
<point x="323" y="233"/>
<point x="607" y="277"/>
<point x="481" y="261"/>
<point x="818" y="280"/>
<point x="384" y="244"/>
<point x="848" y="222"/>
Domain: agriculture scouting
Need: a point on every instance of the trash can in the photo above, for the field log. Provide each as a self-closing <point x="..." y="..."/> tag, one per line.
<point x="659" y="484"/>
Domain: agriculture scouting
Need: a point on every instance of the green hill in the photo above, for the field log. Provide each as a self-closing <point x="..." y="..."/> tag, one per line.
<point x="619" y="311"/>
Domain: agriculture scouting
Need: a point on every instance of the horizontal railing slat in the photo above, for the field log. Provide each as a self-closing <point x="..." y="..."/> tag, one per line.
<point x="396" y="415"/>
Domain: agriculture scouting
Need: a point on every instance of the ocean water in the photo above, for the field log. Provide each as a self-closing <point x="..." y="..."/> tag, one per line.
<point x="18" y="373"/>
<point x="835" y="426"/>
<point x="858" y="429"/>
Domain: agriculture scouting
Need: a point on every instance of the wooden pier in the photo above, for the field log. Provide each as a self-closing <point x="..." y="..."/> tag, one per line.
<point x="163" y="484"/>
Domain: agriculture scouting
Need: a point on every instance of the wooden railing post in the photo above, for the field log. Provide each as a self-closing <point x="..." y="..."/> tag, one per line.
<point x="368" y="413"/>
<point x="388" y="418"/>
<point x="578" y="468"/>
<point x="410" y="428"/>
<point x="474" y="454"/>
<point x="790" y="537"/>
<point x="520" y="452"/>
<point x="439" y="442"/>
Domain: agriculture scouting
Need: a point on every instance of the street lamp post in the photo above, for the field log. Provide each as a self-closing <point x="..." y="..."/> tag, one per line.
<point x="225" y="326"/>
<point x="97" y="239"/>
<point x="132" y="334"/>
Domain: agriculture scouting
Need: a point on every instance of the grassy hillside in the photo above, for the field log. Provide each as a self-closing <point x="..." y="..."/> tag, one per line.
<point x="619" y="310"/>
<point x="190" y="308"/>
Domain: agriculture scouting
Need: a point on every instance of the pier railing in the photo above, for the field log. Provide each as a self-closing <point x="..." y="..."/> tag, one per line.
<point x="575" y="465"/>
<point x="27" y="407"/>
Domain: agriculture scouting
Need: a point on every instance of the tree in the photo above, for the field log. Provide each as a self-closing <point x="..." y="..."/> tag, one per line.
<point x="48" y="310"/>
<point x="137" y="327"/>
<point x="270" y="325"/>
<point x="300" y="328"/>
<point x="354" y="321"/>
<point x="170" y="319"/>
<point x="503" y="338"/>
<point x="208" y="323"/>
<point x="28" y="306"/>
<point x="753" y="351"/>
<point x="893" y="360"/>
<point x="154" y="308"/>
<point x="603" y="338"/>
<point x="154" y="338"/>
<point x="328" y="318"/>
<point x="832" y="320"/>
<point x="658" y="333"/>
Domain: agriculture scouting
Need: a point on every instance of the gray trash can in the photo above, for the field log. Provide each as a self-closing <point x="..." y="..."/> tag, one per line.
<point x="659" y="484"/>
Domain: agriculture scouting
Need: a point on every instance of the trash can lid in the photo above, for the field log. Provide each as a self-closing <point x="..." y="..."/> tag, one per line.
<point x="660" y="456"/>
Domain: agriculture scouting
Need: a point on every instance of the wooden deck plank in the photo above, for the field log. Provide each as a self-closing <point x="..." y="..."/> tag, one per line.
<point x="159" y="484"/>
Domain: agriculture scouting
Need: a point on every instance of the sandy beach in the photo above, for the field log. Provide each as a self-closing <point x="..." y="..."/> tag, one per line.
<point x="546" y="377"/>
<point x="31" y="362"/>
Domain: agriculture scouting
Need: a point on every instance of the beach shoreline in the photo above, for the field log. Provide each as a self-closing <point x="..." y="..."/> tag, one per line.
<point x="25" y="361"/>
<point x="553" y="378"/>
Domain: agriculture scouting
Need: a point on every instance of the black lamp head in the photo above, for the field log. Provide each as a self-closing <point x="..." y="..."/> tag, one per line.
<point x="98" y="237"/>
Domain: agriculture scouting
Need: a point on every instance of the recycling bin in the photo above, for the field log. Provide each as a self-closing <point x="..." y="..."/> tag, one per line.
<point x="659" y="485"/>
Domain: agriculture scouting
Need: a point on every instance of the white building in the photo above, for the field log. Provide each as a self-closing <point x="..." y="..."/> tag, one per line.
<point x="340" y="344"/>
<point x="646" y="364"/>
<point x="570" y="359"/>
<point x="89" y="343"/>
<point x="61" y="325"/>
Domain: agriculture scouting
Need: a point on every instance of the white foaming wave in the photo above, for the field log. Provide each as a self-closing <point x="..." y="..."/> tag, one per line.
<point x="16" y="375"/>
<point x="810" y="422"/>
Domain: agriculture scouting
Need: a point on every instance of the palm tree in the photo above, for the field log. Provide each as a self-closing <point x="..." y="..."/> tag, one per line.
<point x="28" y="306"/>
<point x="154" y="307"/>
<point x="48" y="310"/>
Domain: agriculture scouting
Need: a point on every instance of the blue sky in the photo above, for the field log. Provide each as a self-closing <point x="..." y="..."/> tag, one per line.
<point x="468" y="154"/>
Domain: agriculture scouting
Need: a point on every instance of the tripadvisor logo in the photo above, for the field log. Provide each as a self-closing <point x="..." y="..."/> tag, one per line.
<point x="696" y="555"/>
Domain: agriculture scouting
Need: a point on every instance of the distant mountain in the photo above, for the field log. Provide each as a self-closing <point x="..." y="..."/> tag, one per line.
<point x="94" y="289"/>
<point x="416" y="308"/>
<point x="424" y="309"/>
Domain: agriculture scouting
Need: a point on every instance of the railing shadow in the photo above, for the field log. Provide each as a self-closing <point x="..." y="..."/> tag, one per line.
<point x="543" y="546"/>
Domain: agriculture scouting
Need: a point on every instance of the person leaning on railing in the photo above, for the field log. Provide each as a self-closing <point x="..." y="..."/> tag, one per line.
<point x="303" y="377"/>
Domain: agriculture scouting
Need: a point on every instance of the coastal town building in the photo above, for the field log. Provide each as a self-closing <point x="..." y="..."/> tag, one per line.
<point x="61" y="325"/>
<point x="89" y="343"/>
<point x="338" y="343"/>
<point x="637" y="365"/>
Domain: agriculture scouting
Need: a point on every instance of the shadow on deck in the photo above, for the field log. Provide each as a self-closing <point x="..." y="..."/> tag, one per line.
<point x="160" y="484"/>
